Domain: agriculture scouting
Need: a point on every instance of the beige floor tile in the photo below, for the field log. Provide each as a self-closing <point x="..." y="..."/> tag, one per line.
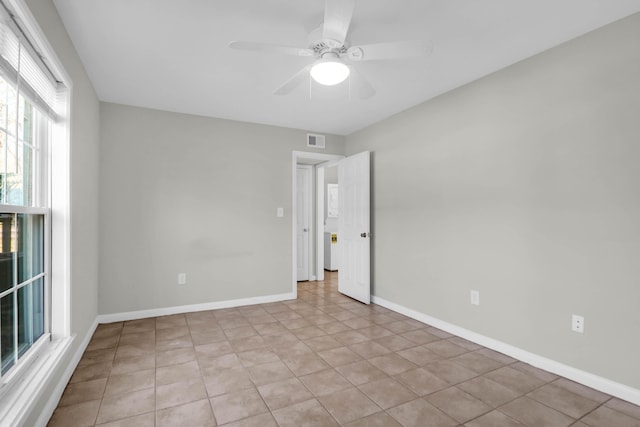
<point x="140" y="325"/>
<point x="175" y="356"/>
<point x="450" y="371"/>
<point x="79" y="414"/>
<point x="126" y="365"/>
<point x="227" y="381"/>
<point x="494" y="419"/>
<point x="213" y="366"/>
<point x="169" y="321"/>
<point x="490" y="392"/>
<point x="137" y="338"/>
<point x="387" y="392"/>
<point x="419" y="355"/>
<point x="269" y="373"/>
<point x="325" y="382"/>
<point x="249" y="343"/>
<point x="180" y="393"/>
<point x="269" y="329"/>
<point x="624" y="407"/>
<point x="374" y="332"/>
<point x="420" y="337"/>
<point x="470" y="346"/>
<point x="257" y="357"/>
<point x="83" y="391"/>
<point x="284" y="393"/>
<point x="334" y="327"/>
<point x="421" y="381"/>
<point x="207" y="337"/>
<point x="144" y="420"/>
<point x="349" y="337"/>
<point x="215" y="349"/>
<point x="499" y="357"/>
<point x="532" y="413"/>
<point x="477" y="362"/>
<point x="262" y="420"/>
<point x="607" y="417"/>
<point x="459" y="405"/>
<point x="309" y="413"/>
<point x="369" y="349"/>
<point x="172" y="332"/>
<point x="126" y="383"/>
<point x="379" y="419"/>
<point x="196" y="414"/>
<point x="420" y="413"/>
<point x="582" y="390"/>
<point x="348" y="405"/>
<point x="240" y="332"/>
<point x="392" y="364"/>
<point x="237" y="405"/>
<point x="446" y="348"/>
<point x="535" y="372"/>
<point x="170" y="344"/>
<point x="514" y="379"/>
<point x="102" y="343"/>
<point x="395" y="342"/>
<point x="135" y="350"/>
<point x="95" y="356"/>
<point x="93" y="371"/>
<point x="563" y="400"/>
<point x="126" y="405"/>
<point x="308" y="332"/>
<point x="305" y="363"/>
<point x="177" y="373"/>
<point x="339" y="356"/>
<point x="360" y="372"/>
<point x="320" y="343"/>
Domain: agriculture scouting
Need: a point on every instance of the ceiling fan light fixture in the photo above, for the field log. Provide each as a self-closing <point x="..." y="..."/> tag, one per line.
<point x="329" y="71"/>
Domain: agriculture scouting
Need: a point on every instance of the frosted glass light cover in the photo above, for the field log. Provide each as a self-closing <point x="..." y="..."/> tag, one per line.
<point x="329" y="72"/>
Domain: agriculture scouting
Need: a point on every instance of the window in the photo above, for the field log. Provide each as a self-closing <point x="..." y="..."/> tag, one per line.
<point x="27" y="105"/>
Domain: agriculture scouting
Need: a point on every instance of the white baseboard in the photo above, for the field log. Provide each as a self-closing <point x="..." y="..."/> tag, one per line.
<point x="586" y="378"/>
<point x="54" y="398"/>
<point x="142" y="314"/>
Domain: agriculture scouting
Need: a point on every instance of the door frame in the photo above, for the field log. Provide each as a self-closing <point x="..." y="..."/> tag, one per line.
<point x="324" y="160"/>
<point x="309" y="220"/>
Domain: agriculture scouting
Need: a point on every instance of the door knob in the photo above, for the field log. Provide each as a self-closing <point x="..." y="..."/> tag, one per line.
<point x="363" y="234"/>
<point x="305" y="230"/>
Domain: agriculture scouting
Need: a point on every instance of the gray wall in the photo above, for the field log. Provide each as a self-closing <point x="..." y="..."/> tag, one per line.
<point x="524" y="185"/>
<point x="85" y="124"/>
<point x="182" y="193"/>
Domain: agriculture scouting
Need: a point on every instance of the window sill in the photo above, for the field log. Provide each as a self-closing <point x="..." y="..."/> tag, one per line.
<point x="23" y="388"/>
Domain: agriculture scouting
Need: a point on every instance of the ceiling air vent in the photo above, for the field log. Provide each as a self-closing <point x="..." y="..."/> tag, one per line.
<point x="316" y="141"/>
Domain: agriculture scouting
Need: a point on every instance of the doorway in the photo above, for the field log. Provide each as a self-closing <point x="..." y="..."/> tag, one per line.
<point x="314" y="258"/>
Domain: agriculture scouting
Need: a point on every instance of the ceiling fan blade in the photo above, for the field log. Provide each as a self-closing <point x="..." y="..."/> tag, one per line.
<point x="337" y="18"/>
<point x="391" y="50"/>
<point x="295" y="81"/>
<point x="271" y="48"/>
<point x="361" y="86"/>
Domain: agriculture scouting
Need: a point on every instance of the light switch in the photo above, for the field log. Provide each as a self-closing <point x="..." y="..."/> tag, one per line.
<point x="280" y="212"/>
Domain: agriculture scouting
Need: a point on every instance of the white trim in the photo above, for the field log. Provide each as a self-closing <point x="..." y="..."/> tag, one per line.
<point x="56" y="394"/>
<point x="155" y="312"/>
<point x="18" y="403"/>
<point x="296" y="156"/>
<point x="586" y="378"/>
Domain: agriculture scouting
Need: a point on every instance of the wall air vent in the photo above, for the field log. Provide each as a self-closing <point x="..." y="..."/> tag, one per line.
<point x="316" y="141"/>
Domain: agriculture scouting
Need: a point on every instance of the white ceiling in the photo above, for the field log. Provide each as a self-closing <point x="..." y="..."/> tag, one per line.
<point x="173" y="55"/>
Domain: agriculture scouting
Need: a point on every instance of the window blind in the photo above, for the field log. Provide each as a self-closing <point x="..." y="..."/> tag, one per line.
<point x="20" y="65"/>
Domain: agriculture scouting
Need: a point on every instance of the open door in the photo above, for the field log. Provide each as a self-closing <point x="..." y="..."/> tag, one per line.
<point x="354" y="278"/>
<point x="303" y="222"/>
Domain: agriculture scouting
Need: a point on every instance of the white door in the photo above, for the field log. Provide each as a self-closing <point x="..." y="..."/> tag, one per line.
<point x="354" y="227"/>
<point x="303" y="199"/>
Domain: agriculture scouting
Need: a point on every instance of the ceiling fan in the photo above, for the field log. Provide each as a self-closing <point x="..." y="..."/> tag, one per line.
<point x="331" y="50"/>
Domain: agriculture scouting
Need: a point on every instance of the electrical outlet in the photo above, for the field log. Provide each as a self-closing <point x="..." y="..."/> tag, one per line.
<point x="182" y="279"/>
<point x="475" y="297"/>
<point x="577" y="323"/>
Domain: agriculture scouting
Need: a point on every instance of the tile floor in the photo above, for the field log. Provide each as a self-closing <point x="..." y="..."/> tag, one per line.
<point x="321" y="360"/>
